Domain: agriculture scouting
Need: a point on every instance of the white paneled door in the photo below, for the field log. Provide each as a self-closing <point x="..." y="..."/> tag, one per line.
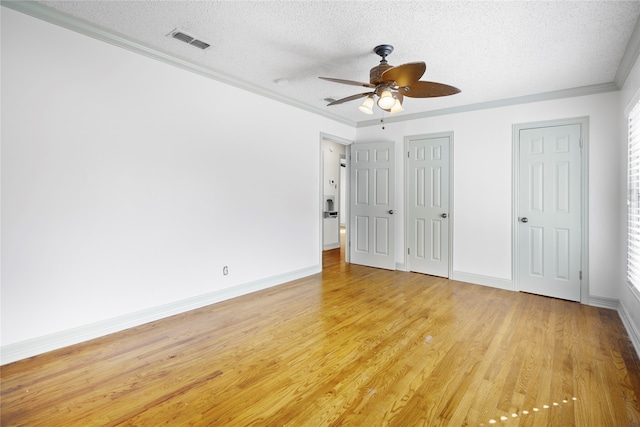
<point x="372" y="225"/>
<point x="549" y="211"/>
<point x="428" y="205"/>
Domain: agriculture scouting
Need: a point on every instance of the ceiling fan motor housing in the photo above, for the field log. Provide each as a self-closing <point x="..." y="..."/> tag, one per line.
<point x="375" y="75"/>
<point x="376" y="72"/>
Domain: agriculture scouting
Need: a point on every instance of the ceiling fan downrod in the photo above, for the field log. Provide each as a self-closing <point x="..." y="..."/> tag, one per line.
<point x="383" y="51"/>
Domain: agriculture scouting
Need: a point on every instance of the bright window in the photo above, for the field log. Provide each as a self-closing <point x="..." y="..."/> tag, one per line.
<point x="633" y="199"/>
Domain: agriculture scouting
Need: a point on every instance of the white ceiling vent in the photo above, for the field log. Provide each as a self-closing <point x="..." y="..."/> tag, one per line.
<point x="189" y="39"/>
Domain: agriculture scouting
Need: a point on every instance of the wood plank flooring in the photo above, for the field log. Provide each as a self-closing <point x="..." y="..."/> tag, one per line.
<point x="351" y="346"/>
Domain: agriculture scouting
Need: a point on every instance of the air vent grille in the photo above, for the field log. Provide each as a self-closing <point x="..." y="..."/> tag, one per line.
<point x="189" y="39"/>
<point x="183" y="37"/>
<point x="199" y="43"/>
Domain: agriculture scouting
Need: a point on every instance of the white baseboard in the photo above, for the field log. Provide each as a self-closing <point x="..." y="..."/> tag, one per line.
<point x="401" y="266"/>
<point x="625" y="317"/>
<point x="478" y="279"/>
<point x="32" y="347"/>
<point x="331" y="246"/>
<point x="603" y="302"/>
<point x="631" y="328"/>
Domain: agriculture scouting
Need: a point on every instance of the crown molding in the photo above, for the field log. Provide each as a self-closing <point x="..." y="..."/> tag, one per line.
<point x="629" y="57"/>
<point x="47" y="14"/>
<point x="547" y="96"/>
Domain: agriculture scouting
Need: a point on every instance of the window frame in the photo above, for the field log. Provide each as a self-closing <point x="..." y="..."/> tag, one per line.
<point x="633" y="197"/>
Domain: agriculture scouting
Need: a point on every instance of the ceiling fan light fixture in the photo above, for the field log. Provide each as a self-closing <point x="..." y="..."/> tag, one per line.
<point x="390" y="84"/>
<point x="386" y="100"/>
<point x="397" y="107"/>
<point x="367" y="105"/>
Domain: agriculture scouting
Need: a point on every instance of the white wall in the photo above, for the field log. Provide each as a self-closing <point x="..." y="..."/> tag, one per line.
<point x="125" y="187"/>
<point x="629" y="297"/>
<point x="482" y="184"/>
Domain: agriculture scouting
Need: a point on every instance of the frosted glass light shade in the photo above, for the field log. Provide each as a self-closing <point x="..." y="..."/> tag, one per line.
<point x="397" y="107"/>
<point x="367" y="105"/>
<point x="386" y="100"/>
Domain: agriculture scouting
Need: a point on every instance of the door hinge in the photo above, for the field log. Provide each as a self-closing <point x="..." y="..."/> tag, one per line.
<point x="580" y="143"/>
<point x="580" y="275"/>
<point x="408" y="251"/>
<point x="408" y="154"/>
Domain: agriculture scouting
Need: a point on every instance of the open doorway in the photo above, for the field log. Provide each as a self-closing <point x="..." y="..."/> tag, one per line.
<point x="343" y="200"/>
<point x="334" y="175"/>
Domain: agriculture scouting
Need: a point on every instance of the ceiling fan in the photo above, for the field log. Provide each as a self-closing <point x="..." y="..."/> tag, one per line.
<point x="391" y="84"/>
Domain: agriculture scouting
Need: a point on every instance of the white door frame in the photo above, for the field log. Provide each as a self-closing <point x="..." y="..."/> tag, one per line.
<point x="584" y="196"/>
<point x="347" y="143"/>
<point x="407" y="176"/>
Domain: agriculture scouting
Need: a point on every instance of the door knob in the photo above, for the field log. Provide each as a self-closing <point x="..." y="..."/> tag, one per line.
<point x="444" y="215"/>
<point x="524" y="219"/>
<point x="391" y="212"/>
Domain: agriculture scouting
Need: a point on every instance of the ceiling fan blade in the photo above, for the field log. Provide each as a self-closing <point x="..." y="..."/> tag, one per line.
<point x="347" y="82"/>
<point x="350" y="98"/>
<point x="405" y="74"/>
<point x="423" y="89"/>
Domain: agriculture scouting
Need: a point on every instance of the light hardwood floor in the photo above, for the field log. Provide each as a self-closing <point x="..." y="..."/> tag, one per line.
<point x="350" y="346"/>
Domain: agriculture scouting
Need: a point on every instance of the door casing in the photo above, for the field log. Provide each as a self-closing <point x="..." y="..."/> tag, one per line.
<point x="584" y="197"/>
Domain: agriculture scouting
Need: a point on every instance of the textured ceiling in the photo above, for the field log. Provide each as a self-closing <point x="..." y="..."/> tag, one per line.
<point x="490" y="50"/>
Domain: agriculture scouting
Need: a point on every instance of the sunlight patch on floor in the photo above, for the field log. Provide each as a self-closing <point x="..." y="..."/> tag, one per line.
<point x="525" y="412"/>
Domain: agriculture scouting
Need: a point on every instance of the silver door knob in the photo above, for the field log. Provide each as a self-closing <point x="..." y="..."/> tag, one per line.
<point x="391" y="212"/>
<point x="524" y="219"/>
<point x="444" y="215"/>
